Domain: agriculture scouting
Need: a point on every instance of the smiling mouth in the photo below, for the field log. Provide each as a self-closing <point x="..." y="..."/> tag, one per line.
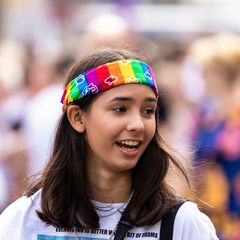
<point x="129" y="145"/>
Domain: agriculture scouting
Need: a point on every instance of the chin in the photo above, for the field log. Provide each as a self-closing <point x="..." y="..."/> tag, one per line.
<point x="126" y="167"/>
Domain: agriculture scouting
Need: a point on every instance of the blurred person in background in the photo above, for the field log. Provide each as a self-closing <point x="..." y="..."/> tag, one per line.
<point x="12" y="144"/>
<point x="36" y="74"/>
<point x="217" y="132"/>
<point x="41" y="114"/>
<point x="3" y="170"/>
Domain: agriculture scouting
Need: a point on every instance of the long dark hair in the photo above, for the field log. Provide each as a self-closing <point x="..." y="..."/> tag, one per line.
<point x="65" y="200"/>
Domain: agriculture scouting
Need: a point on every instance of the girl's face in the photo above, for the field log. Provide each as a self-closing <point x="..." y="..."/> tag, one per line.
<point x="119" y="126"/>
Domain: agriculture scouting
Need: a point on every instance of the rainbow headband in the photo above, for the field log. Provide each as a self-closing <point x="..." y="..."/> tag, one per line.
<point x="107" y="76"/>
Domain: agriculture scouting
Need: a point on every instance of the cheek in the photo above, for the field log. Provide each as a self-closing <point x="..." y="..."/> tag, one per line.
<point x="151" y="129"/>
<point x="99" y="133"/>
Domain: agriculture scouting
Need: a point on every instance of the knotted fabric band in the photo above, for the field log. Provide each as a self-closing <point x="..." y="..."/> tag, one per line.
<point x="107" y="76"/>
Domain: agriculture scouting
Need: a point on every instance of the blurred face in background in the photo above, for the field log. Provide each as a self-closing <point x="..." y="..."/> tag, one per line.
<point x="218" y="79"/>
<point x="39" y="75"/>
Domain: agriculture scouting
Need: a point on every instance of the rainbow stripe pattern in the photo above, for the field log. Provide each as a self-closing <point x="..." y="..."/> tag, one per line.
<point x="107" y="76"/>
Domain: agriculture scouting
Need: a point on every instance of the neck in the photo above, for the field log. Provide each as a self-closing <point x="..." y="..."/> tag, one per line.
<point x="110" y="188"/>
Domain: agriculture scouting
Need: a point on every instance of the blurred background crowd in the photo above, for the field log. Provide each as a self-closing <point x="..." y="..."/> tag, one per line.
<point x="194" y="49"/>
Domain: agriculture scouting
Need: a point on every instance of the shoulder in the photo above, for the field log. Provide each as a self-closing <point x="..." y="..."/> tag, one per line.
<point x="22" y="205"/>
<point x="191" y="223"/>
<point x="20" y="214"/>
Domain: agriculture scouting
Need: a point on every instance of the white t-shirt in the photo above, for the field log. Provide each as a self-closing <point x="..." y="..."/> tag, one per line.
<point x="20" y="221"/>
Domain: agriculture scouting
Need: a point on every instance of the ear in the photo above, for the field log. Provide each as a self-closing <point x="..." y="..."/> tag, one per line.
<point x="76" y="118"/>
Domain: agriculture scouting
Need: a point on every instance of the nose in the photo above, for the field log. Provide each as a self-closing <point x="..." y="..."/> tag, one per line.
<point x="135" y="123"/>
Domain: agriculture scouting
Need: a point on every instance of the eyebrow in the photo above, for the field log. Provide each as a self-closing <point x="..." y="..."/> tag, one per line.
<point x="129" y="99"/>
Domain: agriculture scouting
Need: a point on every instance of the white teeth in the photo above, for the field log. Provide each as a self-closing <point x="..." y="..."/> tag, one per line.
<point x="130" y="143"/>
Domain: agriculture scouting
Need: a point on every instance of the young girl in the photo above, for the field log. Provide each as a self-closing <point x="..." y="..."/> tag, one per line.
<point x="108" y="165"/>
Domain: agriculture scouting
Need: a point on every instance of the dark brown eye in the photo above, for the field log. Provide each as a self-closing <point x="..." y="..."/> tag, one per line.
<point x="119" y="109"/>
<point x="149" y="111"/>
